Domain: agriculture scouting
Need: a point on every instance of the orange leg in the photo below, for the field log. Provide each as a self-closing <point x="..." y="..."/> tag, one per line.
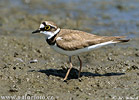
<point x="80" y="67"/>
<point x="68" y="69"/>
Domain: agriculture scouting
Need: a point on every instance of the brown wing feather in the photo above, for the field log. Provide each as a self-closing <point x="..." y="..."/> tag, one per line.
<point x="74" y="39"/>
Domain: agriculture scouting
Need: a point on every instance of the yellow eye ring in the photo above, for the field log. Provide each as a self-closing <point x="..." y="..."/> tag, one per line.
<point x="47" y="27"/>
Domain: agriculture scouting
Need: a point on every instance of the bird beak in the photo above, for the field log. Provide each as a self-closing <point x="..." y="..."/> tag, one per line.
<point x="36" y="31"/>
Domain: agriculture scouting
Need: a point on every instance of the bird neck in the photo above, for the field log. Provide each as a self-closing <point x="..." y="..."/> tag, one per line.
<point x="54" y="33"/>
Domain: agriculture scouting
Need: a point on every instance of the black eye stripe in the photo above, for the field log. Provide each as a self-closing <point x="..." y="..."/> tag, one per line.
<point x="42" y="29"/>
<point x="44" y="23"/>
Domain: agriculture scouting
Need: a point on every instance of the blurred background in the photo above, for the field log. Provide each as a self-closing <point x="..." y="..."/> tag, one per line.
<point x="104" y="17"/>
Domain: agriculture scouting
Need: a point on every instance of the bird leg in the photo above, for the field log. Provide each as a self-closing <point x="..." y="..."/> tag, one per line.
<point x="80" y="67"/>
<point x="68" y="69"/>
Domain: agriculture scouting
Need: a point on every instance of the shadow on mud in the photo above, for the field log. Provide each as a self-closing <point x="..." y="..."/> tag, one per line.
<point x="74" y="73"/>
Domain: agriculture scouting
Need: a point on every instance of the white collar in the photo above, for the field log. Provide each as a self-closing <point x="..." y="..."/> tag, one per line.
<point x="56" y="32"/>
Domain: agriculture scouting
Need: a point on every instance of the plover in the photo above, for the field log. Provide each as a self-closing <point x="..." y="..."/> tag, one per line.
<point x="73" y="42"/>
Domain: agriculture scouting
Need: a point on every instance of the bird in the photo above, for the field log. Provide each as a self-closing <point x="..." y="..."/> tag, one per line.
<point x="73" y="42"/>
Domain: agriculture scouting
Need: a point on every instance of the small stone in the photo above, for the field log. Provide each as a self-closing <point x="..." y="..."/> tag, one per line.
<point x="34" y="61"/>
<point x="134" y="67"/>
<point x="16" y="54"/>
<point x="14" y="68"/>
<point x="137" y="54"/>
<point x="39" y="51"/>
<point x="110" y="59"/>
<point x="13" y="90"/>
<point x="19" y="59"/>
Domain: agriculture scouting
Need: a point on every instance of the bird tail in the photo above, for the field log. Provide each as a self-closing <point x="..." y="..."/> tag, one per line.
<point x="120" y="39"/>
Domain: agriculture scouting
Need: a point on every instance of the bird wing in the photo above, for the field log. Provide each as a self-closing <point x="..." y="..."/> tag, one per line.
<point x="74" y="39"/>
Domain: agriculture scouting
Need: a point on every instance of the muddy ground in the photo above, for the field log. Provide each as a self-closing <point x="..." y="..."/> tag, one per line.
<point x="29" y="67"/>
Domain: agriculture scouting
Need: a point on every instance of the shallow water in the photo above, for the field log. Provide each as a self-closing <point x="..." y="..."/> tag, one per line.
<point x="112" y="17"/>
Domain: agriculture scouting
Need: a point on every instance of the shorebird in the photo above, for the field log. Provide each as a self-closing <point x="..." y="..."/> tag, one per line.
<point x="73" y="42"/>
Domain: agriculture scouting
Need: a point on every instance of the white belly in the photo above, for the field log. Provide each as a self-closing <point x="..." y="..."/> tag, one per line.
<point x="76" y="52"/>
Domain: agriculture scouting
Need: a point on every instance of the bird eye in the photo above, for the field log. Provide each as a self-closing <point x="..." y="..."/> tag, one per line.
<point x="47" y="27"/>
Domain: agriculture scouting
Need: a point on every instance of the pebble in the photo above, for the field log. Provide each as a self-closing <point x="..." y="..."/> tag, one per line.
<point x="19" y="59"/>
<point x="13" y="90"/>
<point x="110" y="59"/>
<point x="34" y="61"/>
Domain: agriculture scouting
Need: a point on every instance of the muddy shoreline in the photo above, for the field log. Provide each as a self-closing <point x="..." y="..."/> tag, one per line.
<point x="107" y="72"/>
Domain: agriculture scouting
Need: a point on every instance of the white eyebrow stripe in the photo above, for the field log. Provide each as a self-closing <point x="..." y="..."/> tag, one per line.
<point x="51" y="25"/>
<point x="41" y="26"/>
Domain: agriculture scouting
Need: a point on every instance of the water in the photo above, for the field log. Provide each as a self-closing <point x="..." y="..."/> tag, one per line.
<point x="115" y="17"/>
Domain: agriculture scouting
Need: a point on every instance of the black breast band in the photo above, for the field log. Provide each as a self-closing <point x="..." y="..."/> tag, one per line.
<point x="52" y="40"/>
